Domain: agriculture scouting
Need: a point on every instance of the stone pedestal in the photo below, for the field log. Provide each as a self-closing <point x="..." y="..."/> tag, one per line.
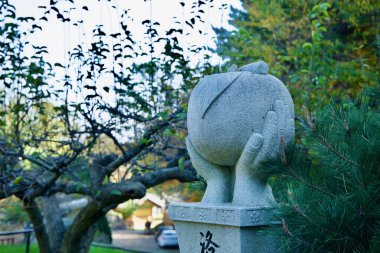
<point x="223" y="228"/>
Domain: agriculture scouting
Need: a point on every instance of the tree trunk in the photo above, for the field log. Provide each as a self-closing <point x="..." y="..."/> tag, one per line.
<point x="110" y="197"/>
<point x="36" y="218"/>
<point x="53" y="221"/>
<point x="85" y="242"/>
<point x="72" y="241"/>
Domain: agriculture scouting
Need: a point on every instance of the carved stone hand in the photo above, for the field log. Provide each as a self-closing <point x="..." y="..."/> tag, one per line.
<point x="218" y="178"/>
<point x="251" y="188"/>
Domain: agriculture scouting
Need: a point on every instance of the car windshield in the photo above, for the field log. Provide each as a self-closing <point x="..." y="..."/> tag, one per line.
<point x="169" y="232"/>
<point x="166" y="228"/>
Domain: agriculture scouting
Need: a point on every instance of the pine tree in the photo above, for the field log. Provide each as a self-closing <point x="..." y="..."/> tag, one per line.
<point x="328" y="186"/>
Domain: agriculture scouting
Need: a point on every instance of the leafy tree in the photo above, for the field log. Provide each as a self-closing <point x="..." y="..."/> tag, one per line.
<point x="318" y="49"/>
<point x="127" y="210"/>
<point x="52" y="131"/>
<point x="188" y="192"/>
<point x="328" y="189"/>
<point x="12" y="213"/>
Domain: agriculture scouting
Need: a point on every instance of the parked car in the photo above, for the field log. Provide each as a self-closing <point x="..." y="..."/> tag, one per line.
<point x="159" y="228"/>
<point x="167" y="238"/>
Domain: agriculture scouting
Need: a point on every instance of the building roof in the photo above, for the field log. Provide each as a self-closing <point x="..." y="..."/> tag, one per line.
<point x="154" y="198"/>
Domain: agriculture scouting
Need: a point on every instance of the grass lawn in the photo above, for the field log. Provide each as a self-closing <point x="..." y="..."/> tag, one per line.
<point x="34" y="249"/>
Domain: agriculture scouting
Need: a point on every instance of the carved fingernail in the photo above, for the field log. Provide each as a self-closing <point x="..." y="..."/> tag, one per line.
<point x="257" y="141"/>
<point x="272" y="117"/>
<point x="278" y="105"/>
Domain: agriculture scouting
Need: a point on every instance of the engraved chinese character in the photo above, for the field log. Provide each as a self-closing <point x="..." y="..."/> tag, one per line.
<point x="208" y="246"/>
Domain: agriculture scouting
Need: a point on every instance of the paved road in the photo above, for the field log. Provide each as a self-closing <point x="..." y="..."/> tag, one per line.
<point x="138" y="241"/>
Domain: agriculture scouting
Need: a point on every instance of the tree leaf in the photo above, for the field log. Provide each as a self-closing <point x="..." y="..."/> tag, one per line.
<point x="181" y="163"/>
<point x="116" y="192"/>
<point x="17" y="180"/>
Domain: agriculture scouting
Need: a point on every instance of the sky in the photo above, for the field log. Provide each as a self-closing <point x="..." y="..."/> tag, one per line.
<point x="60" y="37"/>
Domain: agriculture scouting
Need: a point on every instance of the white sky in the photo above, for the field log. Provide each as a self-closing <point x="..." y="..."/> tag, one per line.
<point x="59" y="37"/>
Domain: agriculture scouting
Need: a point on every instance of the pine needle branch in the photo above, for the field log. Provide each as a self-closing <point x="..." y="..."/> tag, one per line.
<point x="300" y="179"/>
<point x="334" y="151"/>
<point x="287" y="231"/>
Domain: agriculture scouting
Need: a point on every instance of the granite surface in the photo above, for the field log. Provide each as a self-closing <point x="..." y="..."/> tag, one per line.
<point x="238" y="121"/>
<point x="223" y="228"/>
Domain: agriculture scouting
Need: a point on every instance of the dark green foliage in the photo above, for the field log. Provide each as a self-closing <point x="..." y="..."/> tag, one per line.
<point x="329" y="187"/>
<point x="319" y="49"/>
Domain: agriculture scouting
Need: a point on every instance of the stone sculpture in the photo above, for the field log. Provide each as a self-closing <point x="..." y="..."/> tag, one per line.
<point x="237" y="121"/>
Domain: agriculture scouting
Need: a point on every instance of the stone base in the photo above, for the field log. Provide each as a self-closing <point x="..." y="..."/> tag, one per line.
<point x="223" y="228"/>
